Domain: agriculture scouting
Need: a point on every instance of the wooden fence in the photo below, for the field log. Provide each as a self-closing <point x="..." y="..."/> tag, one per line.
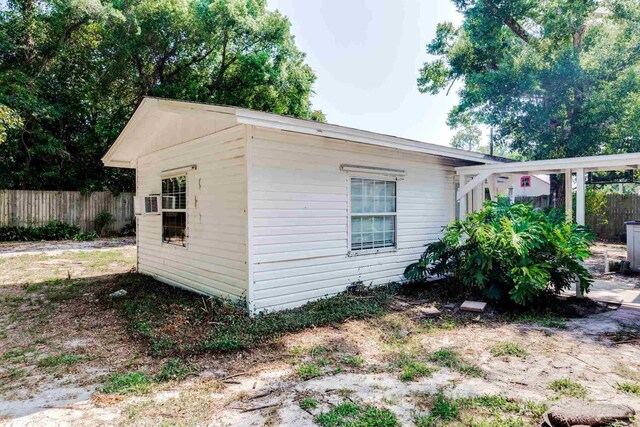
<point x="36" y="208"/>
<point x="610" y="226"/>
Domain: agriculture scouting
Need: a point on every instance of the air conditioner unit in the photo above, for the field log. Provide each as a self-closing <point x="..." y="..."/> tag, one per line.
<point x="151" y="205"/>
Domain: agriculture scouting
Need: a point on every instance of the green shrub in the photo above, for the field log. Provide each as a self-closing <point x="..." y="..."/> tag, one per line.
<point x="85" y="236"/>
<point x="129" y="383"/>
<point x="509" y="251"/>
<point x="129" y="229"/>
<point x="53" y="230"/>
<point x="101" y="221"/>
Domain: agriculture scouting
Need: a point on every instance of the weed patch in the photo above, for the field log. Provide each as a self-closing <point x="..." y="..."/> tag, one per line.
<point x="508" y="349"/>
<point x="129" y="383"/>
<point x="353" y="415"/>
<point x="356" y="361"/>
<point x="308" y="403"/>
<point x="449" y="359"/>
<point x="412" y="369"/>
<point x="480" y="411"/>
<point x="307" y="371"/>
<point x="176" y="322"/>
<point x="54" y="360"/>
<point x="629" y="387"/>
<point x="566" y="387"/>
<point x="546" y="321"/>
<point x="174" y="369"/>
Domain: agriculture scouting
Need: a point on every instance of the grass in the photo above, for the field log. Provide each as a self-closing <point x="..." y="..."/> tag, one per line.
<point x="52" y="361"/>
<point x="129" y="383"/>
<point x="176" y="322"/>
<point x="356" y="361"/>
<point x="629" y="387"/>
<point x="354" y="415"/>
<point x="306" y="371"/>
<point x="449" y="359"/>
<point x="174" y="369"/>
<point x="566" y="387"/>
<point x="547" y="321"/>
<point x="412" y="369"/>
<point x="508" y="349"/>
<point x="480" y="411"/>
<point x="308" y="403"/>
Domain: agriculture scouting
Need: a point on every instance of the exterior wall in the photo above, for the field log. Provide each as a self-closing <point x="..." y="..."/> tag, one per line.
<point x="538" y="188"/>
<point x="214" y="260"/>
<point x="299" y="215"/>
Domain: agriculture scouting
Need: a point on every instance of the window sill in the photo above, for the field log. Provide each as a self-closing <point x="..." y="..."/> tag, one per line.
<point x="372" y="251"/>
<point x="173" y="245"/>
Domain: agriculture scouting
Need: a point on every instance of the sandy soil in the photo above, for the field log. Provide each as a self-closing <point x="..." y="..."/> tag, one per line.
<point x="263" y="386"/>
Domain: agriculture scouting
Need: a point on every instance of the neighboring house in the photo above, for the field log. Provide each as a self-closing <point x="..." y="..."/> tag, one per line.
<point x="239" y="203"/>
<point x="526" y="186"/>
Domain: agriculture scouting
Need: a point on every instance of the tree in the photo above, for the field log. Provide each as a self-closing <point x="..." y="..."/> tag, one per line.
<point x="554" y="78"/>
<point x="467" y="138"/>
<point x="73" y="71"/>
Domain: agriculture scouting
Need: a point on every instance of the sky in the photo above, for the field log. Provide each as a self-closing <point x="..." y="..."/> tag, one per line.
<point x="367" y="55"/>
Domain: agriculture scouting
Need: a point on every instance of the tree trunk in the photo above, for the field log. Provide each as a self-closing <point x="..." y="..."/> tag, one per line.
<point x="556" y="190"/>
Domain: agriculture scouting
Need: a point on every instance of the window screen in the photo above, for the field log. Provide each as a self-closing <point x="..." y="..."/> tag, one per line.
<point x="174" y="210"/>
<point x="373" y="214"/>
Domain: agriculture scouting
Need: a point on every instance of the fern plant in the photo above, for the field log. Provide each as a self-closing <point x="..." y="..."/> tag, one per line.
<point x="509" y="251"/>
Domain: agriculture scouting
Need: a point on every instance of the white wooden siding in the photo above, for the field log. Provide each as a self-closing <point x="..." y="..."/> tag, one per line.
<point x="299" y="215"/>
<point x="215" y="259"/>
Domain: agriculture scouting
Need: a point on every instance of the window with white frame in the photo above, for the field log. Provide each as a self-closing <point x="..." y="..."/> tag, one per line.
<point x="373" y="214"/>
<point x="174" y="210"/>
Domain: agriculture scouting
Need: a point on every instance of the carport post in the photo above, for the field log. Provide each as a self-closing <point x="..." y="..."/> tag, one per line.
<point x="568" y="195"/>
<point x="579" y="211"/>
<point x="463" y="200"/>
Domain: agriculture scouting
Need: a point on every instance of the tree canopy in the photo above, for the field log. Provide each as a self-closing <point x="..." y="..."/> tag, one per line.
<point x="73" y="71"/>
<point x="554" y="78"/>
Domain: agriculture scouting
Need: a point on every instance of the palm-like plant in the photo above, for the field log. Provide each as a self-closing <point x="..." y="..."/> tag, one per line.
<point x="509" y="251"/>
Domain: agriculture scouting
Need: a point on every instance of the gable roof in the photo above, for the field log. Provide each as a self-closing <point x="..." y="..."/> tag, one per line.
<point x="154" y="114"/>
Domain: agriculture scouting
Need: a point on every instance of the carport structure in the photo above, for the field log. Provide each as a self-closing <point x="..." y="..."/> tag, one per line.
<point x="498" y="177"/>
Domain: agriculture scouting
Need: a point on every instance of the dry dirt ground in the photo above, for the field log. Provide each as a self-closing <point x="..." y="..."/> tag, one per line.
<point x="58" y="344"/>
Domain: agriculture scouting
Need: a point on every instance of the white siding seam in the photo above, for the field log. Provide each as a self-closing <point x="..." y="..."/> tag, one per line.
<point x="248" y="143"/>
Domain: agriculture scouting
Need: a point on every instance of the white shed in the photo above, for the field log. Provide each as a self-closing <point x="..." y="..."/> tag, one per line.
<point x="238" y="203"/>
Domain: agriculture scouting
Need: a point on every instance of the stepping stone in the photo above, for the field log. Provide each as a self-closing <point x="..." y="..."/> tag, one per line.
<point x="475" y="306"/>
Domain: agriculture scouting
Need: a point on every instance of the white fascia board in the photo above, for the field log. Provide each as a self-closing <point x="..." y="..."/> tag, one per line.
<point x="591" y="163"/>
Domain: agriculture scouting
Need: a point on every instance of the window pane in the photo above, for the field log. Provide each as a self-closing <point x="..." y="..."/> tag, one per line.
<point x="174" y="227"/>
<point x="356" y="204"/>
<point x="356" y="225"/>
<point x="356" y="187"/>
<point x="378" y="223"/>
<point x="391" y="188"/>
<point x="389" y="205"/>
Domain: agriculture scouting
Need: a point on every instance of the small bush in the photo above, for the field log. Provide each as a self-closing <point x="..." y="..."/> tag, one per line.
<point x="53" y="230"/>
<point x="101" y="221"/>
<point x="85" y="236"/>
<point x="509" y="252"/>
<point x="129" y="229"/>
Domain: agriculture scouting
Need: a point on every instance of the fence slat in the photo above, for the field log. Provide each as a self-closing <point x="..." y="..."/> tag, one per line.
<point x="609" y="226"/>
<point x="36" y="208"/>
